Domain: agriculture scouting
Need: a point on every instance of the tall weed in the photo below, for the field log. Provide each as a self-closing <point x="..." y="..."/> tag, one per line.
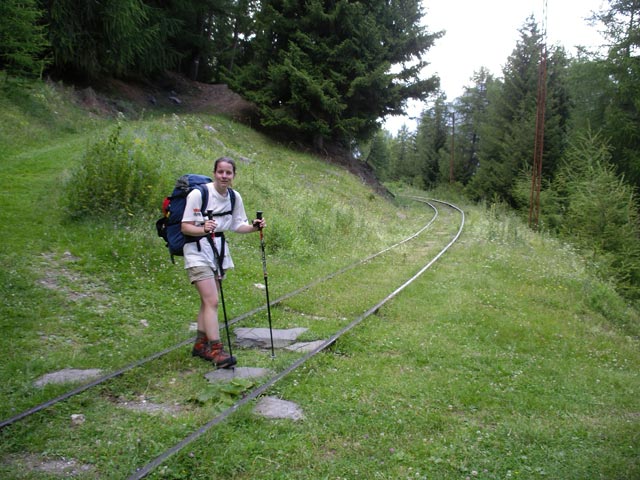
<point x="502" y="225"/>
<point x="118" y="178"/>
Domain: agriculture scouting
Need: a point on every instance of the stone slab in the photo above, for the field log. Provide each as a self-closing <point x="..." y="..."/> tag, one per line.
<point x="224" y="374"/>
<point x="261" y="338"/>
<point x="68" y="375"/>
<point x="305" y="346"/>
<point x="271" y="407"/>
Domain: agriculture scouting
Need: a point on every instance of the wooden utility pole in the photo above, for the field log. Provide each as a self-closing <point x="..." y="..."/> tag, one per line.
<point x="538" y="148"/>
<point x="453" y="135"/>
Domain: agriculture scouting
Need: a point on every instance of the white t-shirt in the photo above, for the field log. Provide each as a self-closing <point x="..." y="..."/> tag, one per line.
<point x="218" y="204"/>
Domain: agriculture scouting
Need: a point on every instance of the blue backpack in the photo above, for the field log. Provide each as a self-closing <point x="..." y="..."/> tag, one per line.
<point x="169" y="225"/>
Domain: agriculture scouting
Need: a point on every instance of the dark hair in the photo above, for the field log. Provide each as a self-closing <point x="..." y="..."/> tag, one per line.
<point x="227" y="160"/>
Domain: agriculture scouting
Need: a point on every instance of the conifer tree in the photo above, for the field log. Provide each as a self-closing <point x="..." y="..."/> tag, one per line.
<point x="23" y="43"/>
<point x="600" y="211"/>
<point x="591" y="89"/>
<point x="403" y="167"/>
<point x="379" y="156"/>
<point x="432" y="134"/>
<point x="111" y="37"/>
<point x="205" y="33"/>
<point x="322" y="69"/>
<point x="622" y="117"/>
<point x="508" y="134"/>
<point x="471" y="110"/>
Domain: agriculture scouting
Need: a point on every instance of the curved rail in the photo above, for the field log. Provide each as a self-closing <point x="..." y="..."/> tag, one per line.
<point x="138" y="363"/>
<point x="253" y="394"/>
<point x="145" y="470"/>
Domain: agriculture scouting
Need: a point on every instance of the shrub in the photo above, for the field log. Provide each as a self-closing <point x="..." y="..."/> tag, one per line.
<point x="117" y="178"/>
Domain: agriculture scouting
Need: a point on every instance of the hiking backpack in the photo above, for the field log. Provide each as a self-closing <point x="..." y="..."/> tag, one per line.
<point x="169" y="225"/>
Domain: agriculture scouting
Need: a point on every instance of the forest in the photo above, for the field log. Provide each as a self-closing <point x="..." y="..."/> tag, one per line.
<point x="324" y="74"/>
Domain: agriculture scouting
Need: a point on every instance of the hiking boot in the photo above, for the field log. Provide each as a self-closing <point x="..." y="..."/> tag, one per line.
<point x="213" y="351"/>
<point x="200" y="344"/>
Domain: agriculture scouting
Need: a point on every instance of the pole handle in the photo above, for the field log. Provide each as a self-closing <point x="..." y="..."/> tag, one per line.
<point x="259" y="217"/>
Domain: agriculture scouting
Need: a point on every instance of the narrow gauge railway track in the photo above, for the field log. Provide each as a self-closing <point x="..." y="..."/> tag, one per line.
<point x="430" y="258"/>
<point x="103" y="379"/>
<point x="422" y="257"/>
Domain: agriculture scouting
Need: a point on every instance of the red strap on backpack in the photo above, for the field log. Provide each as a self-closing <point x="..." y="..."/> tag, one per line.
<point x="165" y="206"/>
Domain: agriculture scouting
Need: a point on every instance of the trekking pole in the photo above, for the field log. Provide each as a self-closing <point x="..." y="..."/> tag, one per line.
<point x="217" y="259"/>
<point x="266" y="283"/>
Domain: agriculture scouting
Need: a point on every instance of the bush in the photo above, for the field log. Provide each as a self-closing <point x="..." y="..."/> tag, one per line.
<point x="118" y="178"/>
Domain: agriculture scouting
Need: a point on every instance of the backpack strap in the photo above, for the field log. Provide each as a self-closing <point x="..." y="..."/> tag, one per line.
<point x="232" y="199"/>
<point x="204" y="193"/>
<point x="218" y="256"/>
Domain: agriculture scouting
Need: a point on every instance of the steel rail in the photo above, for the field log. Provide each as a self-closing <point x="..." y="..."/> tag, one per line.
<point x="82" y="388"/>
<point x="256" y="392"/>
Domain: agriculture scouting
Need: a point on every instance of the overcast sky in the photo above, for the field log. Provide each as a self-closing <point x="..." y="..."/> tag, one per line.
<point x="483" y="33"/>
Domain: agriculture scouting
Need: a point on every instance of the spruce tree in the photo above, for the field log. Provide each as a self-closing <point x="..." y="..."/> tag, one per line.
<point x="622" y="117"/>
<point x="471" y="110"/>
<point x="432" y="135"/>
<point x="23" y="43"/>
<point x="600" y="211"/>
<point x="379" y="156"/>
<point x="507" y="136"/>
<point x="111" y="37"/>
<point x="322" y="69"/>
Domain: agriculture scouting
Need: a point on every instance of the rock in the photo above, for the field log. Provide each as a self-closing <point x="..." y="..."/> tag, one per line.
<point x="261" y="337"/>
<point x="68" y="375"/>
<point x="237" y="372"/>
<point x="272" y="407"/>
<point x="77" y="419"/>
<point x="305" y="346"/>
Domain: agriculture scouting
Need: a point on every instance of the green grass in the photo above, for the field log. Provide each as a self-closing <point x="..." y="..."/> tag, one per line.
<point x="507" y="359"/>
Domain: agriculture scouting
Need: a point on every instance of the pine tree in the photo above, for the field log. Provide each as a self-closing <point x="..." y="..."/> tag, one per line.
<point x="432" y="134"/>
<point x="23" y="43"/>
<point x="622" y="117"/>
<point x="507" y="137"/>
<point x="112" y="37"/>
<point x="471" y="110"/>
<point x="379" y="156"/>
<point x="321" y="69"/>
<point x="205" y="33"/>
<point x="403" y="167"/>
<point x="600" y="211"/>
<point x="590" y="89"/>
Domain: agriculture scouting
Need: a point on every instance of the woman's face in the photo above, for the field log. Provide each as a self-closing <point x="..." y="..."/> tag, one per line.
<point x="224" y="174"/>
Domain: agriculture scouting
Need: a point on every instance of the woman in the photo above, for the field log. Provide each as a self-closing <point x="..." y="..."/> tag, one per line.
<point x="204" y="265"/>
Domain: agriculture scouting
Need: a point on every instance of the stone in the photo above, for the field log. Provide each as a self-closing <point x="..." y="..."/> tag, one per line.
<point x="224" y="374"/>
<point x="305" y="346"/>
<point x="261" y="337"/>
<point x="77" y="419"/>
<point x="271" y="407"/>
<point x="68" y="375"/>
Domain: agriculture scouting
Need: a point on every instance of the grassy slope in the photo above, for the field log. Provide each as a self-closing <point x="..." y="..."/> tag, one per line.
<point x="508" y="360"/>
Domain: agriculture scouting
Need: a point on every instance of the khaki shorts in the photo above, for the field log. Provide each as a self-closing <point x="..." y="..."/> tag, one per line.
<point x="197" y="274"/>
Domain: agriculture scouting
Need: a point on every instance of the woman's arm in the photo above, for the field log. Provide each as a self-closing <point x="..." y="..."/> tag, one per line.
<point x="193" y="230"/>
<point x="256" y="225"/>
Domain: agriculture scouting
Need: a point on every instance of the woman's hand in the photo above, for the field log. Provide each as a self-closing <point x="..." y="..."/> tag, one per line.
<point x="210" y="226"/>
<point x="259" y="223"/>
